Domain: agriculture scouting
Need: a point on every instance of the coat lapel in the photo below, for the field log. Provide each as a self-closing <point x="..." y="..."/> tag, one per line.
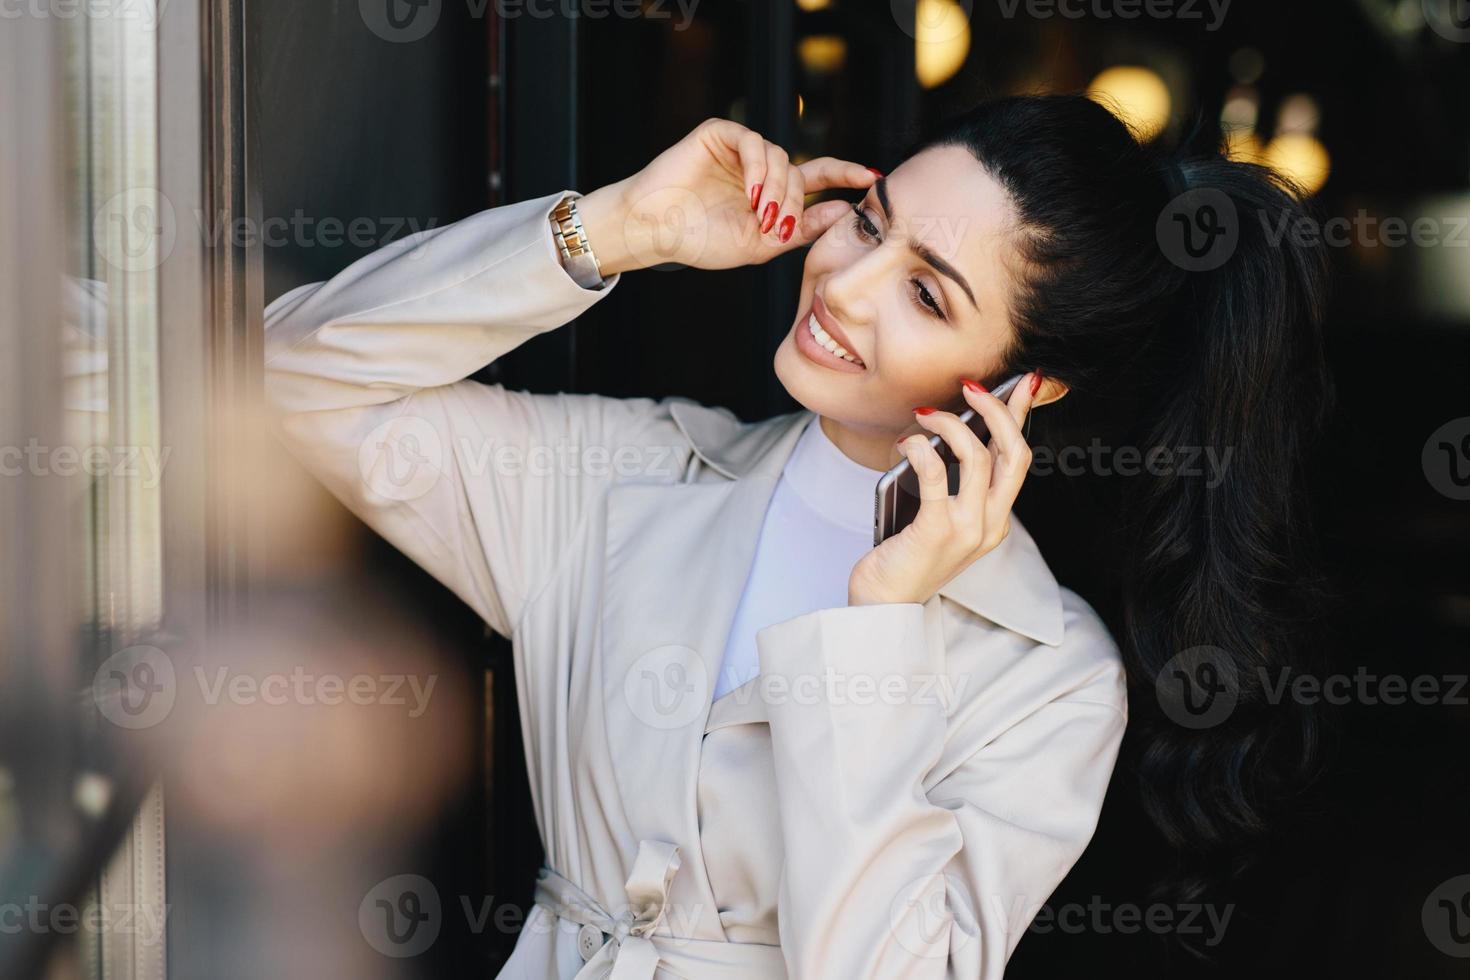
<point x="676" y="561"/>
<point x="1013" y="587"/>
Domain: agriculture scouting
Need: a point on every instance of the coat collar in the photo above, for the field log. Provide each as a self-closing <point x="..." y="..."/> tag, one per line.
<point x="1011" y="586"/>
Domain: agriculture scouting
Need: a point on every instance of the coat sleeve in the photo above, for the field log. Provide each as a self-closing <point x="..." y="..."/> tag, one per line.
<point x="898" y="865"/>
<point x="481" y="486"/>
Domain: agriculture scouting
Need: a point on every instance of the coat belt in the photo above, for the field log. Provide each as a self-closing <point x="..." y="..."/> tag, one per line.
<point x="631" y="948"/>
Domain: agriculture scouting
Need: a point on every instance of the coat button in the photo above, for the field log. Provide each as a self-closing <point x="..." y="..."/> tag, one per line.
<point x="589" y="941"/>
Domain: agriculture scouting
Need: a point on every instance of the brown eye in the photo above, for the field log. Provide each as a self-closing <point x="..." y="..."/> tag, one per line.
<point x="926" y="300"/>
<point x="862" y="224"/>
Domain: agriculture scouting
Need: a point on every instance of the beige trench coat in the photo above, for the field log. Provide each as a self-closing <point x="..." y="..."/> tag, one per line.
<point x="894" y="796"/>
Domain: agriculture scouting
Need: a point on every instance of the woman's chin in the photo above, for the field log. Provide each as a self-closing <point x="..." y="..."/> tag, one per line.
<point x="795" y="376"/>
<point x="814" y="388"/>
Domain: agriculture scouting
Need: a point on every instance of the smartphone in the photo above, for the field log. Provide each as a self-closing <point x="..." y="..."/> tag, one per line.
<point x="896" y="500"/>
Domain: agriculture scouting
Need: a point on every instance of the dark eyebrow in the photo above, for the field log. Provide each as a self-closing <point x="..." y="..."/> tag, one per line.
<point x="923" y="251"/>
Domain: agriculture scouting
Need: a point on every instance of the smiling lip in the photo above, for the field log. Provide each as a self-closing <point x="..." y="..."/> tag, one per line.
<point x="812" y="341"/>
<point x="824" y="318"/>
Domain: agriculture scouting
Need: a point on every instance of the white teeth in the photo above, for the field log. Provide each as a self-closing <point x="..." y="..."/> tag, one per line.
<point x="825" y="339"/>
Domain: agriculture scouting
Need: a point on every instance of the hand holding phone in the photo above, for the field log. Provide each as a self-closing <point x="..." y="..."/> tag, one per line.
<point x="935" y="518"/>
<point x="896" y="499"/>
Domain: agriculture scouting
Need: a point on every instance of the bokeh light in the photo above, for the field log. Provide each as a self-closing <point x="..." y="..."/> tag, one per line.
<point x="1136" y="95"/>
<point x="941" y="41"/>
<point x="1300" y="157"/>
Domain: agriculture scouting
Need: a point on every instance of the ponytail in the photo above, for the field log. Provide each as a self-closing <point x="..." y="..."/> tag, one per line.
<point x="1218" y="577"/>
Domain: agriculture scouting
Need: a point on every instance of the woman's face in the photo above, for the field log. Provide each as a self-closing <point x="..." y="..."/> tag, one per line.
<point x="916" y="288"/>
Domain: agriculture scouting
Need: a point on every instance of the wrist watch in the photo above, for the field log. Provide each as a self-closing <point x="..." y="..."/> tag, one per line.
<point x="571" y="239"/>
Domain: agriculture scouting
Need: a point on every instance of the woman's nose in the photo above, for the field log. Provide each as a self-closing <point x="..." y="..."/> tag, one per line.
<point x="849" y="292"/>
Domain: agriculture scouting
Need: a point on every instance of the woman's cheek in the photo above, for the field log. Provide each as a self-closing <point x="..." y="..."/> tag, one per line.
<point x="820" y="258"/>
<point x="915" y="369"/>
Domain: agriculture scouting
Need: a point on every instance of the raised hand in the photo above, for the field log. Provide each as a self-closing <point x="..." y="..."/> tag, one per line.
<point x="951" y="532"/>
<point x="721" y="197"/>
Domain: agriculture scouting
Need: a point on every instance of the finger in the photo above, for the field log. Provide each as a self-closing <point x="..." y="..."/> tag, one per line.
<point x="1006" y="439"/>
<point x="1012" y="457"/>
<point x="825" y="172"/>
<point x="724" y="131"/>
<point x="928" y="468"/>
<point x="1019" y="403"/>
<point x="816" y="219"/>
<point x="973" y="457"/>
<point x="1005" y="487"/>
<point x="773" y="192"/>
<point x="795" y="205"/>
<point x="753" y="164"/>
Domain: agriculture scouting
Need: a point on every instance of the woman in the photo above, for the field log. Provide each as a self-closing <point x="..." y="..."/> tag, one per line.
<point x="759" y="746"/>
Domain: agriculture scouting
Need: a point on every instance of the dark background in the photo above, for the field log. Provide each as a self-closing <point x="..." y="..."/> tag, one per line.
<point x="487" y="109"/>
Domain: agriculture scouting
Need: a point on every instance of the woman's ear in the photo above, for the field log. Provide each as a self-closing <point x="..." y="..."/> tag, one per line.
<point x="1051" y="390"/>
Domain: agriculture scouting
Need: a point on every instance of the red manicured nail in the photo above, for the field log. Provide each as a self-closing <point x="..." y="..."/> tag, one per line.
<point x="755" y="195"/>
<point x="875" y="171"/>
<point x="974" y="385"/>
<point x="769" y="218"/>
<point x="788" y="225"/>
<point x="925" y="410"/>
<point x="1035" y="383"/>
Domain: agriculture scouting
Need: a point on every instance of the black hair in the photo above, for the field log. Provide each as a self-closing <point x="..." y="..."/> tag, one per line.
<point x="1216" y="350"/>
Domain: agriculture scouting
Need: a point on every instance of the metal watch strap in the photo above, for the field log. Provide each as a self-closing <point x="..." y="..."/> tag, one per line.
<point x="571" y="239"/>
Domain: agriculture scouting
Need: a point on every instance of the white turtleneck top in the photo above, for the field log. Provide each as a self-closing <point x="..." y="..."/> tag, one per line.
<point x="819" y="523"/>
